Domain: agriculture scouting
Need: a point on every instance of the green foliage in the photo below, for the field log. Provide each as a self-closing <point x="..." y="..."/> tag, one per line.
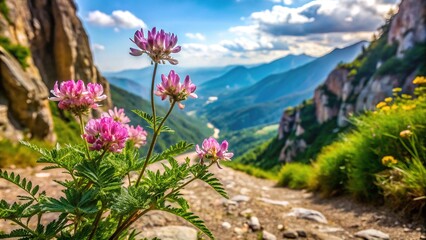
<point x="246" y="139"/>
<point x="4" y="10"/>
<point x="295" y="175"/>
<point x="412" y="59"/>
<point x="264" y="156"/>
<point x="24" y="184"/>
<point x="251" y="170"/>
<point x="16" y="154"/>
<point x="343" y="167"/>
<point x="330" y="169"/>
<point x="21" y="53"/>
<point x="65" y="125"/>
<point x="404" y="185"/>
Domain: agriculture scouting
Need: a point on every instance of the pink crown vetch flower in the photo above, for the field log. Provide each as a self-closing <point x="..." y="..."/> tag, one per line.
<point x="158" y="46"/>
<point x="176" y="91"/>
<point x="106" y="134"/>
<point x="137" y="135"/>
<point x="75" y="97"/>
<point x="117" y="114"/>
<point x="211" y="150"/>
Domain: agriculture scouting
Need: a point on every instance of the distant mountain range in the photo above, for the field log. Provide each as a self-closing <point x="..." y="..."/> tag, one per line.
<point x="240" y="76"/>
<point x="247" y="95"/>
<point x="263" y="102"/>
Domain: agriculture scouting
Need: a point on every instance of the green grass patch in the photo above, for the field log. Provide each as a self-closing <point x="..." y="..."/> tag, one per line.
<point x="21" y="53"/>
<point x="17" y="154"/>
<point x="295" y="175"/>
<point x="4" y="10"/>
<point x="251" y="170"/>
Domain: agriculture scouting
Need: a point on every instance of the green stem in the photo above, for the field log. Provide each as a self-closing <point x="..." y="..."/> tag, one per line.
<point x="154" y="139"/>
<point x="152" y="93"/>
<point x="131" y="219"/>
<point x="24" y="226"/>
<point x="82" y="133"/>
<point x="96" y="223"/>
<point x="184" y="185"/>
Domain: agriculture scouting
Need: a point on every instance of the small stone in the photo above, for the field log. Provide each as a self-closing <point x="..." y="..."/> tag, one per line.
<point x="245" y="191"/>
<point x="301" y="233"/>
<point x="227" y="202"/>
<point x="268" y="236"/>
<point x="226" y="225"/>
<point x="308" y="214"/>
<point x="280" y="227"/>
<point x="418" y="229"/>
<point x="254" y="224"/>
<point x="372" y="234"/>
<point x="42" y="174"/>
<point x="423" y="237"/>
<point x="239" y="231"/>
<point x="240" y="198"/>
<point x="273" y="202"/>
<point x="407" y="230"/>
<point x="170" y="233"/>
<point x="246" y="213"/>
<point x="354" y="226"/>
<point x="290" y="234"/>
<point x="326" y="229"/>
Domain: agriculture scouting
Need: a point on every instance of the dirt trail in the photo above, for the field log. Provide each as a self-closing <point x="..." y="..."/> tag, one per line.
<point x="253" y="198"/>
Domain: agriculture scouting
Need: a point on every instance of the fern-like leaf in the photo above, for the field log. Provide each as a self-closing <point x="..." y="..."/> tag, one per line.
<point x="24" y="184"/>
<point x="172" y="151"/>
<point x="18" y="233"/>
<point x="202" y="173"/>
<point x="191" y="218"/>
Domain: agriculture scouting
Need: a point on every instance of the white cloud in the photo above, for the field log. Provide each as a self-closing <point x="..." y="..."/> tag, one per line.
<point x="99" y="18"/>
<point x="98" y="47"/>
<point x="118" y="19"/>
<point x="323" y="16"/>
<point x="197" y="36"/>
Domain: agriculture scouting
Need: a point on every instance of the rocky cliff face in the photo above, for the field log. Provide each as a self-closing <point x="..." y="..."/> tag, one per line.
<point x="351" y="88"/>
<point x="60" y="51"/>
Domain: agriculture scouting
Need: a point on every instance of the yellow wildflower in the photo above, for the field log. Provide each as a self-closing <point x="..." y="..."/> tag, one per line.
<point x="386" y="108"/>
<point x="406" y="96"/>
<point x="406" y="133"/>
<point x="388" y="100"/>
<point x="408" y="107"/>
<point x="389" y="160"/>
<point x="395" y="90"/>
<point x="380" y="105"/>
<point x="394" y="107"/>
<point x="419" y="80"/>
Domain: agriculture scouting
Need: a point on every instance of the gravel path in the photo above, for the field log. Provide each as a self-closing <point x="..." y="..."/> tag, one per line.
<point x="255" y="206"/>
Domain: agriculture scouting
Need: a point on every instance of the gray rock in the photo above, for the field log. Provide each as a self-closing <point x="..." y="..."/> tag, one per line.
<point x="246" y="213"/>
<point x="254" y="223"/>
<point x="240" y="198"/>
<point x="308" y="214"/>
<point x="170" y="233"/>
<point x="268" y="236"/>
<point x="371" y="234"/>
<point x="226" y="225"/>
<point x="240" y="231"/>
<point x="301" y="233"/>
<point x="273" y="202"/>
<point x="326" y="229"/>
<point x="290" y="234"/>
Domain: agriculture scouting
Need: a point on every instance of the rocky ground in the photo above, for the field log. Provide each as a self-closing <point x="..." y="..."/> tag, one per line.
<point x="257" y="210"/>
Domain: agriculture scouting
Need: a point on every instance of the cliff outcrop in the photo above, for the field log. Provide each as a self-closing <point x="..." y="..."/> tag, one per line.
<point x="59" y="49"/>
<point x="392" y="60"/>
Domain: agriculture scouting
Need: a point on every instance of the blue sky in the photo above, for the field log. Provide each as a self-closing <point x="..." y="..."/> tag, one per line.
<point x="224" y="32"/>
